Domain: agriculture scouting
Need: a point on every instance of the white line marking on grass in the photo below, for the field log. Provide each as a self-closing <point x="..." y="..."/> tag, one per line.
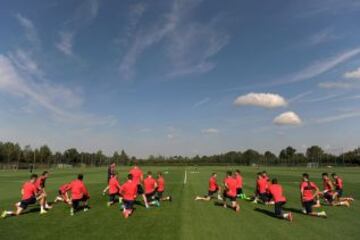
<point x="185" y="177"/>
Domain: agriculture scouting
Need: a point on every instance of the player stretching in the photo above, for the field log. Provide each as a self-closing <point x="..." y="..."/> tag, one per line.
<point x="128" y="191"/>
<point x="79" y="194"/>
<point x="276" y="192"/>
<point x="41" y="193"/>
<point x="150" y="186"/>
<point x="329" y="193"/>
<point x="138" y="178"/>
<point x="230" y="191"/>
<point x="213" y="188"/>
<point x="63" y="195"/>
<point x="28" y="193"/>
<point x="110" y="172"/>
<point x="262" y="189"/>
<point x="114" y="190"/>
<point x="161" y="188"/>
<point x="308" y="192"/>
<point x="339" y="185"/>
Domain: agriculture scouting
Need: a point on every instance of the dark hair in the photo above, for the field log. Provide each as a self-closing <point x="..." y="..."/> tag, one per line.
<point x="324" y="174"/>
<point x="33" y="176"/>
<point x="149" y="173"/>
<point x="213" y="174"/>
<point x="228" y="173"/>
<point x="238" y="171"/>
<point x="274" y="181"/>
<point x="333" y="174"/>
<point x="306" y="175"/>
<point x="44" y="173"/>
<point x="80" y="176"/>
<point x="264" y="172"/>
<point x="159" y="173"/>
<point x="130" y="176"/>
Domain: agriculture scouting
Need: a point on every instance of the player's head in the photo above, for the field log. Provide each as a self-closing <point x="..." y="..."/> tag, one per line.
<point x="130" y="176"/>
<point x="264" y="173"/>
<point x="45" y="174"/>
<point x="305" y="177"/>
<point x="33" y="177"/>
<point x="149" y="173"/>
<point x="259" y="175"/>
<point x="325" y="176"/>
<point x="274" y="181"/>
<point x="80" y="177"/>
<point x="228" y="173"/>
<point x="159" y="173"/>
<point x="114" y="174"/>
<point x="334" y="175"/>
<point x="135" y="163"/>
<point x="213" y="174"/>
<point x="238" y="171"/>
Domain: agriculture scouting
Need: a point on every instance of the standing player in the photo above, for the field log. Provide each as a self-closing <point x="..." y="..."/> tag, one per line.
<point x="339" y="185"/>
<point x="213" y="188"/>
<point x="79" y="194"/>
<point x="161" y="188"/>
<point x="230" y="191"/>
<point x="329" y="193"/>
<point x="41" y="193"/>
<point x="138" y="178"/>
<point x="128" y="191"/>
<point x="114" y="190"/>
<point x="276" y="192"/>
<point x="110" y="171"/>
<point x="150" y="186"/>
<point x="308" y="192"/>
<point x="28" y="193"/>
<point x="63" y="195"/>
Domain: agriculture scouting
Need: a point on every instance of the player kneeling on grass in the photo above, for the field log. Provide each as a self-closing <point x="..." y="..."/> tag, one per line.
<point x="63" y="195"/>
<point x="213" y="188"/>
<point x="339" y="185"/>
<point x="114" y="190"/>
<point x="230" y="191"/>
<point x="262" y="189"/>
<point x="308" y="193"/>
<point x="161" y="188"/>
<point x="79" y="194"/>
<point x="150" y="186"/>
<point x="276" y="192"/>
<point x="28" y="193"/>
<point x="329" y="193"/>
<point x="128" y="191"/>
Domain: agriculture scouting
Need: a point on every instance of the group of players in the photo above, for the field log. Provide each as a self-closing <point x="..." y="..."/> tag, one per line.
<point x="76" y="195"/>
<point x="270" y="192"/>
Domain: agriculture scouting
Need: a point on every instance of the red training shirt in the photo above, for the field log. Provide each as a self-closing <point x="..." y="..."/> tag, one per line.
<point x="129" y="190"/>
<point x="29" y="190"/>
<point x="277" y="193"/>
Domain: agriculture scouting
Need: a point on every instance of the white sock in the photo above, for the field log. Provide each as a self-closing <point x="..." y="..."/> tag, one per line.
<point x="42" y="208"/>
<point x="9" y="212"/>
<point x="285" y="215"/>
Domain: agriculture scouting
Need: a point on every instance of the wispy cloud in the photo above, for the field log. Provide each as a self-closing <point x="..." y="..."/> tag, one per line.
<point x="210" y="131"/>
<point x="355" y="74"/>
<point x="338" y="117"/>
<point x="323" y="36"/>
<point x="65" y="44"/>
<point x="189" y="45"/>
<point x="61" y="102"/>
<point x="201" y="102"/>
<point x="300" y="96"/>
<point x="339" y="84"/>
<point x="30" y="30"/>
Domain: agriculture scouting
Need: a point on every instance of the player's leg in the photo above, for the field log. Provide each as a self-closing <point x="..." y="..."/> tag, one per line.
<point x="41" y="200"/>
<point x="111" y="200"/>
<point x="59" y="197"/>
<point x="309" y="210"/>
<point x="85" y="203"/>
<point x="235" y="205"/>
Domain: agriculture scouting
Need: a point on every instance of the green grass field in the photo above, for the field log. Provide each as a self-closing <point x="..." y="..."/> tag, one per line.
<point x="183" y="218"/>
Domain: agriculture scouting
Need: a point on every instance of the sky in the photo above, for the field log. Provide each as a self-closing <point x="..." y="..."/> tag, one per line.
<point x="182" y="77"/>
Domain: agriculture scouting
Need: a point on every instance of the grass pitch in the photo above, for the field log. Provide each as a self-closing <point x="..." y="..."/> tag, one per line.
<point x="183" y="218"/>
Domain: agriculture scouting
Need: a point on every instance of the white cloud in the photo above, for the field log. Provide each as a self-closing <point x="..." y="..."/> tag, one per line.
<point x="344" y="85"/>
<point x="267" y="100"/>
<point x="201" y="102"/>
<point x="287" y="118"/>
<point x="65" y="43"/>
<point x="30" y="30"/>
<point x="170" y="136"/>
<point x="353" y="74"/>
<point x="210" y="131"/>
<point x="61" y="102"/>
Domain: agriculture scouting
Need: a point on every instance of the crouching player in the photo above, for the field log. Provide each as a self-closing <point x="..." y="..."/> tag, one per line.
<point x="213" y="189"/>
<point x="114" y="190"/>
<point x="262" y="189"/>
<point x="128" y="191"/>
<point x="329" y="193"/>
<point x="63" y="195"/>
<point x="79" y="194"/>
<point x="28" y="193"/>
<point x="308" y="192"/>
<point x="339" y="185"/>
<point x="150" y="186"/>
<point x="276" y="192"/>
<point x="41" y="192"/>
<point x="161" y="188"/>
<point x="230" y="191"/>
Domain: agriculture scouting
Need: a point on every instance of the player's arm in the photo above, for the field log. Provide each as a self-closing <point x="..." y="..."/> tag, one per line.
<point x="317" y="192"/>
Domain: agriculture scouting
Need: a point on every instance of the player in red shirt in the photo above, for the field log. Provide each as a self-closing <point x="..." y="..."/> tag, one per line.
<point x="29" y="197"/>
<point x="128" y="191"/>
<point x="110" y="172"/>
<point x="262" y="189"/>
<point x="79" y="194"/>
<point x="41" y="192"/>
<point x="63" y="195"/>
<point x="150" y="185"/>
<point x="161" y="188"/>
<point x="329" y="193"/>
<point x="308" y="193"/>
<point x="230" y="191"/>
<point x="276" y="192"/>
<point x="213" y="188"/>
<point x="114" y="189"/>
<point x="339" y="185"/>
<point x="138" y="178"/>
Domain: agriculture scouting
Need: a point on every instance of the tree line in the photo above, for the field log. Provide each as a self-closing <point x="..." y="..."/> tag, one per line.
<point x="12" y="155"/>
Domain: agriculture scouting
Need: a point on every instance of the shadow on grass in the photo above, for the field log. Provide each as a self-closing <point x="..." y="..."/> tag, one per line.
<point x="266" y="212"/>
<point x="295" y="210"/>
<point x="32" y="210"/>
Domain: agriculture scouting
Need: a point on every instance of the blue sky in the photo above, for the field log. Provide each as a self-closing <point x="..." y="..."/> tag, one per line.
<point x="180" y="76"/>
